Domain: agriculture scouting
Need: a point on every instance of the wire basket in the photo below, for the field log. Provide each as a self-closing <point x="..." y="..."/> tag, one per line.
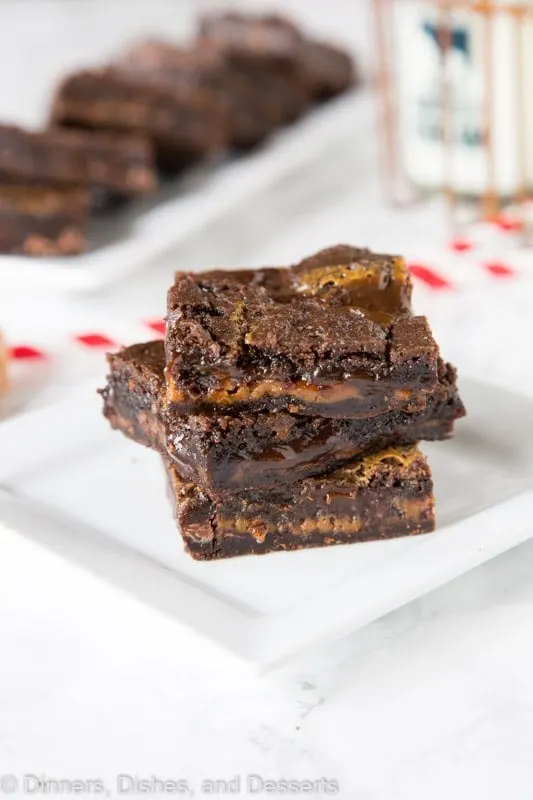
<point x="456" y="94"/>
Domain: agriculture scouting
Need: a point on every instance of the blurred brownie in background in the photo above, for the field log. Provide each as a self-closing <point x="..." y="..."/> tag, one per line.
<point x="121" y="164"/>
<point x="42" y="220"/>
<point x="251" y="116"/>
<point x="257" y="100"/>
<point x="184" y="123"/>
<point x="273" y="42"/>
<point x="326" y="70"/>
<point x="267" y="41"/>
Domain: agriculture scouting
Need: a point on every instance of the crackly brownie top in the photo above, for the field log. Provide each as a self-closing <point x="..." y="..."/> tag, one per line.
<point x="339" y="275"/>
<point x="343" y="308"/>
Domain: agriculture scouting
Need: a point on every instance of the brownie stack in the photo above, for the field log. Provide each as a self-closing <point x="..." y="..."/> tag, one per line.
<point x="287" y="404"/>
<point x="156" y="105"/>
<point x="47" y="178"/>
<point x="239" y="80"/>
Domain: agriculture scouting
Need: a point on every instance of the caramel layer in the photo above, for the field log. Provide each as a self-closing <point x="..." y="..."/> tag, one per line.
<point x="412" y="509"/>
<point x="230" y="392"/>
<point x="258" y="528"/>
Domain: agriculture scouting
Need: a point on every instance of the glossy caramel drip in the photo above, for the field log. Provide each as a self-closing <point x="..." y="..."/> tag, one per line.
<point x="385" y="288"/>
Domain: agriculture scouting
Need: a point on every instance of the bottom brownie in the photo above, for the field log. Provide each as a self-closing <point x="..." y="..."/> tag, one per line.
<point x="41" y="220"/>
<point x="381" y="496"/>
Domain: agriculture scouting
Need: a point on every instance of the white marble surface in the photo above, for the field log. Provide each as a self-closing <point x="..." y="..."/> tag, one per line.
<point x="433" y="701"/>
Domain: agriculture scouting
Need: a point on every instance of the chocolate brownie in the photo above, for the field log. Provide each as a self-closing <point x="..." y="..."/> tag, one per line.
<point x="381" y="496"/>
<point x="326" y="70"/>
<point x="276" y="79"/>
<point x="222" y="452"/>
<point x="122" y="164"/>
<point x="276" y="43"/>
<point x="183" y="122"/>
<point x="42" y="220"/>
<point x="339" y="275"/>
<point x="270" y="40"/>
<point x="256" y="104"/>
<point x="318" y="349"/>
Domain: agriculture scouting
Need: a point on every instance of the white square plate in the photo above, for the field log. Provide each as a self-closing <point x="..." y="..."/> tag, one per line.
<point x="124" y="240"/>
<point x="72" y="484"/>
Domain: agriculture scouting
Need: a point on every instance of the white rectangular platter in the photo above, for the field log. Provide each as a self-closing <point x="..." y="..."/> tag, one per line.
<point x="124" y="240"/>
<point x="69" y="483"/>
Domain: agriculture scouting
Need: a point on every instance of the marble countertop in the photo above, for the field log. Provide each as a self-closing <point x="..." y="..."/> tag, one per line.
<point x="432" y="701"/>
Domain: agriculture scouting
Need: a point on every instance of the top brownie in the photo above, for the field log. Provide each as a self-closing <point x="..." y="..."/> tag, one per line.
<point x="332" y="336"/>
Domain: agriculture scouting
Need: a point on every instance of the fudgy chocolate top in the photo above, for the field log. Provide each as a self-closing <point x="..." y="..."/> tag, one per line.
<point x="339" y="275"/>
<point x="339" y="312"/>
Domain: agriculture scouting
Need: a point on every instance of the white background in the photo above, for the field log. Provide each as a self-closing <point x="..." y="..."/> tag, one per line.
<point x="433" y="701"/>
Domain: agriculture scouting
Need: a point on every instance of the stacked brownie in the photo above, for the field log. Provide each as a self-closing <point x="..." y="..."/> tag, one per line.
<point x="287" y="404"/>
